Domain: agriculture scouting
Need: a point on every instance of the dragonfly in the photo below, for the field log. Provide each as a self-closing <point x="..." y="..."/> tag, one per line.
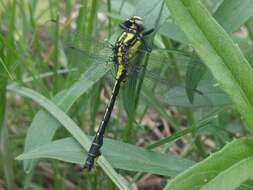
<point x="131" y="39"/>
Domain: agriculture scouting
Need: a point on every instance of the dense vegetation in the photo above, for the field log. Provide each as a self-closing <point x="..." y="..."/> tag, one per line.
<point x="183" y="119"/>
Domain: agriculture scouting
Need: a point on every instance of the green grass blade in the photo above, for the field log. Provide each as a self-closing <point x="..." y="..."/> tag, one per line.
<point x="4" y="136"/>
<point x="200" y="124"/>
<point x="64" y="99"/>
<point x="249" y="26"/>
<point x="91" y="20"/>
<point x="72" y="128"/>
<point x="231" y="14"/>
<point x="5" y="69"/>
<point x="195" y="71"/>
<point x="7" y="60"/>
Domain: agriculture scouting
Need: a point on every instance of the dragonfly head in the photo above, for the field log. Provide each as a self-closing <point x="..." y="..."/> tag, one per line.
<point x="133" y="23"/>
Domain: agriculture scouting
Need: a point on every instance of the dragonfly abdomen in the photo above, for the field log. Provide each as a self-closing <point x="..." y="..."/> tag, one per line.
<point x="97" y="142"/>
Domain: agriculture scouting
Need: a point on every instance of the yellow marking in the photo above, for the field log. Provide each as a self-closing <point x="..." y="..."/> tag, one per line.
<point x="104" y="116"/>
<point x="120" y="66"/>
<point x="93" y="155"/>
<point x="119" y="71"/>
<point x="96" y="144"/>
<point x="122" y="36"/>
<point x="129" y="36"/>
<point x="134" y="48"/>
<point x="123" y="41"/>
<point x="137" y="17"/>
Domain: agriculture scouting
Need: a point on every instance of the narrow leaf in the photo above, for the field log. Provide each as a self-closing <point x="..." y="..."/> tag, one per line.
<point x="38" y="132"/>
<point x="136" y="159"/>
<point x="231" y="14"/>
<point x="195" y="71"/>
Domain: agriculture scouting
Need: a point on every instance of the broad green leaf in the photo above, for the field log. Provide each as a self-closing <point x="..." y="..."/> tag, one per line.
<point x="229" y="178"/>
<point x="223" y="58"/>
<point x="71" y="127"/>
<point x="231" y="14"/>
<point x="136" y="159"/>
<point x="232" y="165"/>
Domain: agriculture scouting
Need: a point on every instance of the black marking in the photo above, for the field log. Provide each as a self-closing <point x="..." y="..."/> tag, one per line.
<point x="98" y="140"/>
<point x="134" y="25"/>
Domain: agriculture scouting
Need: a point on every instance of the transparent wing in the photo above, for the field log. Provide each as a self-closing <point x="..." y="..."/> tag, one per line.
<point x="176" y="82"/>
<point x="175" y="73"/>
<point x="207" y="94"/>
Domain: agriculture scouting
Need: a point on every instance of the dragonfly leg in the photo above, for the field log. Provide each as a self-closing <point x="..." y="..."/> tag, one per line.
<point x="144" y="43"/>
<point x="148" y="32"/>
<point x="146" y="48"/>
<point x="124" y="27"/>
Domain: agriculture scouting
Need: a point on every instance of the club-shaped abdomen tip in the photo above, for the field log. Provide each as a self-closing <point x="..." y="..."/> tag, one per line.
<point x="88" y="165"/>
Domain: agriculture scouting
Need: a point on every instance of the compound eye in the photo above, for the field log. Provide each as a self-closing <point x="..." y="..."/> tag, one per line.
<point x="127" y="24"/>
<point x="139" y="23"/>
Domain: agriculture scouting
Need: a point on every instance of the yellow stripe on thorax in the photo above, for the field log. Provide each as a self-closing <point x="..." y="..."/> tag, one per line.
<point x="120" y="65"/>
<point x="124" y="39"/>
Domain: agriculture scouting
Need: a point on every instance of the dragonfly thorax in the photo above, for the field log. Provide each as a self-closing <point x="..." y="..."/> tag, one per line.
<point x="125" y="49"/>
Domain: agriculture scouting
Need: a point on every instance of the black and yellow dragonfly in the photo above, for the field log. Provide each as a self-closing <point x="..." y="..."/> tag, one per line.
<point x="126" y="46"/>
